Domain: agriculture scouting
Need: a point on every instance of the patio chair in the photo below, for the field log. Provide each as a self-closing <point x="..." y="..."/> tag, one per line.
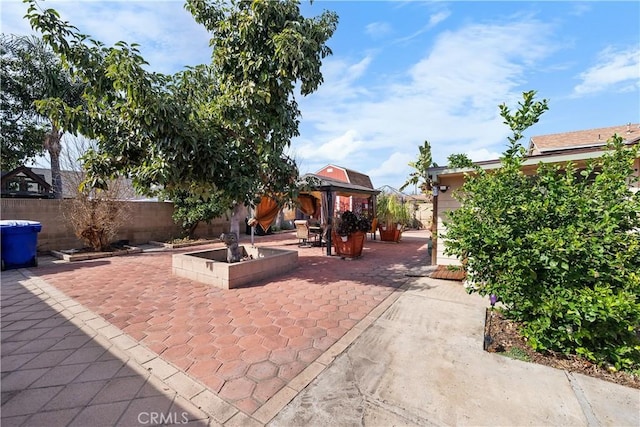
<point x="374" y="227"/>
<point x="303" y="234"/>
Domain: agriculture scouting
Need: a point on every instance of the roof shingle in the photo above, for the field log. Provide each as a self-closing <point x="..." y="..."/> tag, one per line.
<point x="582" y="138"/>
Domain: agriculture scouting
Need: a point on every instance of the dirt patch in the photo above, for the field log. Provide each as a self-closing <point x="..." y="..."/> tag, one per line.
<point x="503" y="336"/>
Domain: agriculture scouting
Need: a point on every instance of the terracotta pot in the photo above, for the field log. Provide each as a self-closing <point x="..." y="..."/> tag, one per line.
<point x="390" y="234"/>
<point x="352" y="247"/>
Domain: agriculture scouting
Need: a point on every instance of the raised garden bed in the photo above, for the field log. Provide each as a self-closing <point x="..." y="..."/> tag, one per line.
<point x="83" y="254"/>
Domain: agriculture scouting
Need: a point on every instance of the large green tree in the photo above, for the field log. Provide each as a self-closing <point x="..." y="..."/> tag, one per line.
<point x="29" y="73"/>
<point x="560" y="249"/>
<point x="219" y="129"/>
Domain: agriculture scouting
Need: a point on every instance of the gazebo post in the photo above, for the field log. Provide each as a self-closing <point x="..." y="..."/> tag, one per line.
<point x="330" y="208"/>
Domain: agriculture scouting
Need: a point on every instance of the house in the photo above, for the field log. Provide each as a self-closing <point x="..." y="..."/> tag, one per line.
<point x="354" y="202"/>
<point x="23" y="182"/>
<point x="122" y="188"/>
<point x="577" y="147"/>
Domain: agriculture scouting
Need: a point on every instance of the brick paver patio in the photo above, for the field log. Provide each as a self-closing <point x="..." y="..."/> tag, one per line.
<point x="244" y="344"/>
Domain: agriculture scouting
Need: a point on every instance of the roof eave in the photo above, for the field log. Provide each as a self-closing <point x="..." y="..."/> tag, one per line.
<point x="435" y="173"/>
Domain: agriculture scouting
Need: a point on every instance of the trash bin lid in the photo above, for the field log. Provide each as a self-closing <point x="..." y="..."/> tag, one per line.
<point x="15" y="223"/>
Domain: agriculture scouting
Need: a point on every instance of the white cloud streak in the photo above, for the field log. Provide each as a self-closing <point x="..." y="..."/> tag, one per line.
<point x="448" y="97"/>
<point x="616" y="70"/>
<point x="168" y="36"/>
<point x="378" y="30"/>
<point x="437" y="18"/>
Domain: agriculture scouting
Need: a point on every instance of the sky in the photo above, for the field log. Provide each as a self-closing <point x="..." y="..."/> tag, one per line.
<point x="403" y="72"/>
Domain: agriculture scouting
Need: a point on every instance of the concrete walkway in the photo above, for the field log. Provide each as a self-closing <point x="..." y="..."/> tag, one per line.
<point x="413" y="355"/>
<point x="422" y="364"/>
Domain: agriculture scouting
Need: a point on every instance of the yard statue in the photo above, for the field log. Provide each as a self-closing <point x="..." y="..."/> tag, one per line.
<point x="233" y="250"/>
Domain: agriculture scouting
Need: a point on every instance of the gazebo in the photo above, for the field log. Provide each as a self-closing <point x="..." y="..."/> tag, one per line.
<point x="326" y="189"/>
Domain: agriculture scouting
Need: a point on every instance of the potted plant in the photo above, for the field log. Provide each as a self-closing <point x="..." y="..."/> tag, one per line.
<point x="349" y="234"/>
<point x="393" y="216"/>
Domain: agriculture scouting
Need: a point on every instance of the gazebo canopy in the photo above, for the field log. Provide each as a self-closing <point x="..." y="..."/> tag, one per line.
<point x="341" y="188"/>
<point x="318" y="186"/>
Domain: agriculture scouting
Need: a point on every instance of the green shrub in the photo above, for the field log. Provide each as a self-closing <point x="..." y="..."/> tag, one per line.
<point x="190" y="209"/>
<point x="561" y="250"/>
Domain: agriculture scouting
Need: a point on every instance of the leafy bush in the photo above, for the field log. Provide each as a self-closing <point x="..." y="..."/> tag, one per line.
<point x="349" y="223"/>
<point x="561" y="249"/>
<point x="391" y="210"/>
<point x="189" y="209"/>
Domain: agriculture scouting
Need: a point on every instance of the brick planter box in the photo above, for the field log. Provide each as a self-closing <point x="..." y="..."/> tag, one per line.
<point x="211" y="267"/>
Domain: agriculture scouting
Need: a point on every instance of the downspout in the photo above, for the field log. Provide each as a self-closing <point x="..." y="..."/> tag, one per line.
<point x="434" y="227"/>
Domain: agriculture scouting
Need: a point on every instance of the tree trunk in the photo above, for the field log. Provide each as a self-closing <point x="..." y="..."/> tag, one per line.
<point x="191" y="231"/>
<point x="53" y="146"/>
<point x="235" y="220"/>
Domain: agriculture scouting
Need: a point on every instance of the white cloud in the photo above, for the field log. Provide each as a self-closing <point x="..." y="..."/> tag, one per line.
<point x="433" y="21"/>
<point x="341" y="78"/>
<point x="336" y="149"/>
<point x="580" y="9"/>
<point x="449" y="97"/>
<point x="377" y="30"/>
<point x="616" y="70"/>
<point x="483" y="154"/>
<point x="168" y="36"/>
<point x="396" y="164"/>
<point x="437" y="18"/>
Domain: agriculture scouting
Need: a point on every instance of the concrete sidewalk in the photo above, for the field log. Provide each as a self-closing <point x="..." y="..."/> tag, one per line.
<point x="422" y="363"/>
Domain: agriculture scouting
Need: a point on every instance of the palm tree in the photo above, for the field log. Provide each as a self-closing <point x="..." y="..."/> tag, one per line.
<point x="31" y="73"/>
<point x="423" y="163"/>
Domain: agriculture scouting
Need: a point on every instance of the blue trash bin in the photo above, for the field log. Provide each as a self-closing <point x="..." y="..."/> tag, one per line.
<point x="19" y="243"/>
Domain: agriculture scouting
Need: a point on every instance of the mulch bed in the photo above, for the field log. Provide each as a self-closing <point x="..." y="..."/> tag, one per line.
<point x="505" y="336"/>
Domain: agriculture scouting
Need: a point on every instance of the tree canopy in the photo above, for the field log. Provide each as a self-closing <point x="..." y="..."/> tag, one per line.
<point x="30" y="72"/>
<point x="217" y="129"/>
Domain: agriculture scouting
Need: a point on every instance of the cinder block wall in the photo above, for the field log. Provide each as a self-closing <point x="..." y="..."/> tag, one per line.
<point x="424" y="214"/>
<point x="148" y="221"/>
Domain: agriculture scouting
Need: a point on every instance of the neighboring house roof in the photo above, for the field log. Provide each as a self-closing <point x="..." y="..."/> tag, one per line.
<point x="590" y="138"/>
<point x="68" y="179"/>
<point x="71" y="179"/>
<point x="557" y="148"/>
<point x="352" y="177"/>
<point x="23" y="182"/>
<point x="420" y="198"/>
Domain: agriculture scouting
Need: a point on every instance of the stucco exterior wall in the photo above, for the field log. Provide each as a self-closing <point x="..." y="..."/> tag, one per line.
<point x="148" y="221"/>
<point x="446" y="203"/>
